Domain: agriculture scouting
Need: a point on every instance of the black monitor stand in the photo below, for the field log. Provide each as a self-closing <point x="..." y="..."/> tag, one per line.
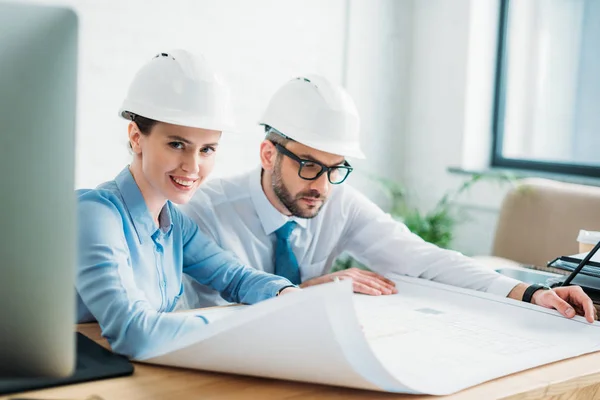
<point x="94" y="362"/>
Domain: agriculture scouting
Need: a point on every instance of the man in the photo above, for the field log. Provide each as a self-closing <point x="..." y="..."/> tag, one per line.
<point x="294" y="216"/>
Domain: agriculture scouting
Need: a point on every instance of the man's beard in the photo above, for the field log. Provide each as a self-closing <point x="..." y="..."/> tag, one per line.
<point x="292" y="203"/>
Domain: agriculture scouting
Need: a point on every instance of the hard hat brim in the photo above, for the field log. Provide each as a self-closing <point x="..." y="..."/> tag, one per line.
<point x="176" y="117"/>
<point x="351" y="150"/>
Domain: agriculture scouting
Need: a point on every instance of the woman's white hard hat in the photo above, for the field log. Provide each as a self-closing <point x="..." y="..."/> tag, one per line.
<point x="180" y="88"/>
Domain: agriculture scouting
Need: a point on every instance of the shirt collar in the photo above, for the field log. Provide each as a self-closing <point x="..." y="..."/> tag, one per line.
<point x="138" y="211"/>
<point x="269" y="217"/>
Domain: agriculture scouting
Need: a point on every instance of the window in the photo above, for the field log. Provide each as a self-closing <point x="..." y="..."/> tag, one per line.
<point x="547" y="107"/>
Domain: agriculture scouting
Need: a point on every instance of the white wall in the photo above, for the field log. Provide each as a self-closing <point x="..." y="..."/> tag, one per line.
<point x="450" y="109"/>
<point x="406" y="63"/>
<point x="378" y="73"/>
<point x="377" y="76"/>
<point x="257" y="44"/>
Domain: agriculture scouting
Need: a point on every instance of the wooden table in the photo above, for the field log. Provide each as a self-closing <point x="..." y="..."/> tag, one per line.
<point x="577" y="378"/>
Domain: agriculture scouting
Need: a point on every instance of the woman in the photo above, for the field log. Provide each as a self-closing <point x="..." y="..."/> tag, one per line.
<point x="133" y="243"/>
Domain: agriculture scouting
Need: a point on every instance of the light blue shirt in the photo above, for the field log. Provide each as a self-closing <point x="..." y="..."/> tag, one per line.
<point x="129" y="270"/>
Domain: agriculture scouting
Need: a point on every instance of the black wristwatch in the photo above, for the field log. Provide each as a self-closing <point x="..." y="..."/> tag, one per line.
<point x="532" y="289"/>
<point x="285" y="287"/>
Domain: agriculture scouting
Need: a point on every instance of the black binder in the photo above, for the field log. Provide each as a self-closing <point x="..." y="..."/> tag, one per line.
<point x="570" y="263"/>
<point x="583" y="270"/>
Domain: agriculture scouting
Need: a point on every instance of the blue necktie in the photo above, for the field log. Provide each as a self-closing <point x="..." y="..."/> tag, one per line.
<point x="286" y="264"/>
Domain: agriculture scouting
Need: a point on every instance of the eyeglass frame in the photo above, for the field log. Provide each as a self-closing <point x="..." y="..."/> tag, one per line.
<point x="324" y="168"/>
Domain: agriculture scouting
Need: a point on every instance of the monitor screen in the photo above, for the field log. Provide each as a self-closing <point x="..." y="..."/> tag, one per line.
<point x="38" y="81"/>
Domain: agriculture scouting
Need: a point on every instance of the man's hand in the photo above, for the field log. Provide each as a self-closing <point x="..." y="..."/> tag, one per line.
<point x="568" y="300"/>
<point x="366" y="282"/>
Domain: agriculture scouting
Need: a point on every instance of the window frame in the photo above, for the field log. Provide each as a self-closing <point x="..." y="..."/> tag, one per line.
<point x="497" y="159"/>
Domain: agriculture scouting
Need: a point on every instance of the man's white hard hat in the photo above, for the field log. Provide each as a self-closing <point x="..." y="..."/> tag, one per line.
<point x="317" y="113"/>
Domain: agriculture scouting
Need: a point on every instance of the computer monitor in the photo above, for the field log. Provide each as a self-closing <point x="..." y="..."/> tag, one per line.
<point x="38" y="81"/>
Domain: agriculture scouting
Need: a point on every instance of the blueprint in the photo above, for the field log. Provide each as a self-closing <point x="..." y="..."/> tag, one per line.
<point x="429" y="338"/>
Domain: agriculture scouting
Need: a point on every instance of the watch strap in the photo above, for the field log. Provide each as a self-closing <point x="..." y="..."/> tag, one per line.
<point x="528" y="295"/>
<point x="285" y="287"/>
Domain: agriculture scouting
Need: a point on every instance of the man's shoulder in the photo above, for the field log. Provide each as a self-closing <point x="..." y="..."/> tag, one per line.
<point x="226" y="189"/>
<point x="219" y="194"/>
<point x="348" y="202"/>
<point x="347" y="194"/>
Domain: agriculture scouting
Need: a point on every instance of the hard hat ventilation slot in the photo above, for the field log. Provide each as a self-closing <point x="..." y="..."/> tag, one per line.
<point x="301" y="78"/>
<point x="167" y="55"/>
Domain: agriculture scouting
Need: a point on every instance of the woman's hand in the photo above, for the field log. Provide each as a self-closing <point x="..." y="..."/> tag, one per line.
<point x="289" y="290"/>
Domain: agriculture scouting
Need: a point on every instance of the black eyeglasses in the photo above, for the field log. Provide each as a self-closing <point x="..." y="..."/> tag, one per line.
<point x="310" y="170"/>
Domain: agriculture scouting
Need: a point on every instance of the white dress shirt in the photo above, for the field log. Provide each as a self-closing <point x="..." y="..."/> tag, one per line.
<point x="237" y="214"/>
